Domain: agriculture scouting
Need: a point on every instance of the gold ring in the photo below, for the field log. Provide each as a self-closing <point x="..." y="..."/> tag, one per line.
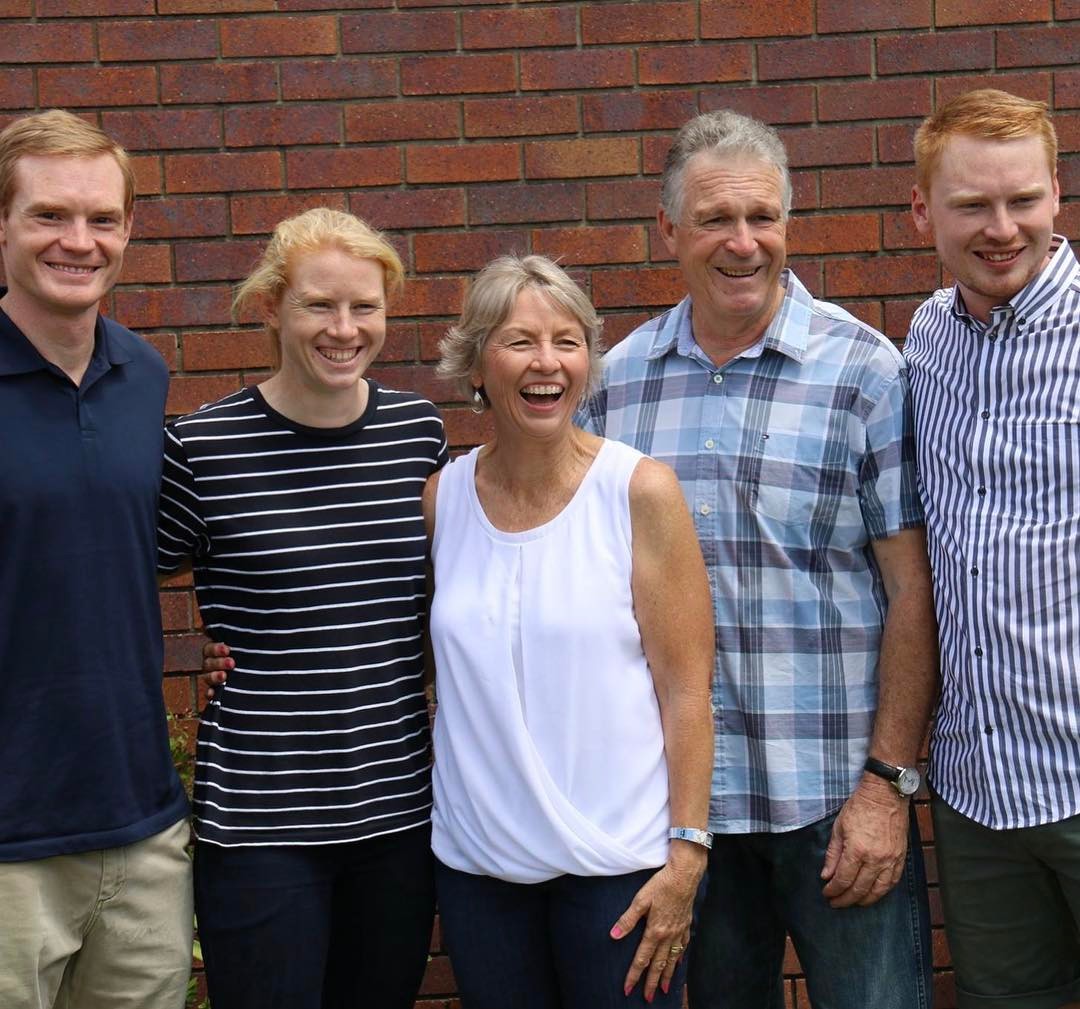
<point x="677" y="949"/>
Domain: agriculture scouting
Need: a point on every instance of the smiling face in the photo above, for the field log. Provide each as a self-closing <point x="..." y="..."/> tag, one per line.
<point x="990" y="208"/>
<point x="730" y="243"/>
<point x="534" y="367"/>
<point x="331" y="322"/>
<point x="63" y="236"/>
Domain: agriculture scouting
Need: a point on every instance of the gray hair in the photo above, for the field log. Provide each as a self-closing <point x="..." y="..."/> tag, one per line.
<point x="722" y="133"/>
<point x="491" y="299"/>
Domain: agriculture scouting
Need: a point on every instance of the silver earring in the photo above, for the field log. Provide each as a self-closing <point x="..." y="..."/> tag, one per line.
<point x="478" y="403"/>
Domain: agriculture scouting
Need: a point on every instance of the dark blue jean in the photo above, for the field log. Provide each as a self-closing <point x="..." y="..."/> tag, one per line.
<point x="543" y="945"/>
<point x="329" y="926"/>
<point x="760" y="886"/>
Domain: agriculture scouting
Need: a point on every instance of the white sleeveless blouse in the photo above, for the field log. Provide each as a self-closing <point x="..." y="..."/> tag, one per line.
<point x="549" y="753"/>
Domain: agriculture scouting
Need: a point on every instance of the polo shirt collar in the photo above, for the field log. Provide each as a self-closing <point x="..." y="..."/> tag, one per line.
<point x="787" y="333"/>
<point x="1040" y="293"/>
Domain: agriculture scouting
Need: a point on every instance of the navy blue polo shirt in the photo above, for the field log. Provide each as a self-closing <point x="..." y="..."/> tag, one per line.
<point x="83" y="742"/>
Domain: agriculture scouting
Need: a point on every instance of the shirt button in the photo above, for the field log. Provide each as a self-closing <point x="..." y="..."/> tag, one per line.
<point x="709" y="443"/>
<point x="704" y="509"/>
<point x="1021" y="319"/>
<point x="982" y="492"/>
<point x="989" y="730"/>
<point x="974" y="570"/>
<point x="718" y="378"/>
<point x="985" y="415"/>
<point x="978" y="652"/>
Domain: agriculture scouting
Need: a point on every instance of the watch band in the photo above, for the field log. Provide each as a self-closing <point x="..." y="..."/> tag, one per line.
<point x="906" y="780"/>
<point x="890" y="772"/>
<point x="692" y="834"/>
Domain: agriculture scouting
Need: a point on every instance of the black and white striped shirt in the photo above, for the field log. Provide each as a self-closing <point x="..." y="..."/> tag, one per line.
<point x="308" y="549"/>
<point x="997" y="410"/>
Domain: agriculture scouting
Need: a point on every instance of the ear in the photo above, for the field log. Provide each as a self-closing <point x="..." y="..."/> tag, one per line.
<point x="129" y="220"/>
<point x="920" y="211"/>
<point x="667" y="229"/>
<point x="1057" y="195"/>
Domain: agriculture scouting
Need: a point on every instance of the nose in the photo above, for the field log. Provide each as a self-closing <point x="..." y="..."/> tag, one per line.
<point x="342" y="324"/>
<point x="544" y="358"/>
<point x="76" y="236"/>
<point x="1001" y="227"/>
<point x="740" y="240"/>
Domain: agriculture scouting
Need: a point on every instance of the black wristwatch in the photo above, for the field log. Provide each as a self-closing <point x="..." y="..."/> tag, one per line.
<point x="906" y="780"/>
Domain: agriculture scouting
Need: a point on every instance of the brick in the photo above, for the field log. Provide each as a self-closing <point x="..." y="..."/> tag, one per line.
<point x="259" y="215"/>
<point x="96" y="86"/>
<point x="215" y="6"/>
<point x="430" y="296"/>
<point x="881" y="275"/>
<point x="643" y="110"/>
<point x="814" y="58"/>
<point x="1064" y="9"/>
<point x="163" y="129"/>
<point x="899" y="232"/>
<point x="410" y="208"/>
<point x="701" y="64"/>
<point x="218" y="82"/>
<point x="46" y="43"/>
<point x="226" y="350"/>
<point x="591" y="246"/>
<point x="896" y="142"/>
<point x="448" y="3"/>
<point x="653" y="153"/>
<point x="623" y="288"/>
<point x="304" y="80"/>
<point x="860" y="16"/>
<point x="16" y="8"/>
<point x="183" y="652"/>
<point x="866" y="311"/>
<point x="147" y="169"/>
<point x="457" y="75"/>
<point x="738" y="19"/>
<point x="160" y="39"/>
<point x="279" y="36"/>
<point x="892" y="99"/>
<point x="817" y="235"/>
<point x="146" y="264"/>
<point x="335" y="5"/>
<point x="452" y="252"/>
<point x="637" y="23"/>
<point x="515" y="117"/>
<point x="342" y="167"/>
<point x="866" y="187"/>
<point x="518" y="29"/>
<point x="930" y="52"/>
<point x="776" y="104"/>
<point x="17" y="88"/>
<point x="420" y="378"/>
<point x="184" y="217"/>
<point x="158" y="307"/>
<point x="463" y="163"/>
<point x="829" y="145"/>
<point x="393" y="32"/>
<point x="463" y="428"/>
<point x="215" y="173"/>
<point x="431" y="334"/>
<point x="1067" y="89"/>
<point x="579" y="158"/>
<point x="622" y="199"/>
<point x="1026" y="47"/>
<point x="84" y="8"/>
<point x="949" y="13"/>
<point x="229" y="260"/>
<point x="1036" y="86"/>
<point x="165" y="345"/>
<point x="895" y="326"/>
<point x="559" y="71"/>
<point x="402" y="120"/>
<point x="619" y="325"/>
<point x="282" y="125"/>
<point x="186" y="394"/>
<point x="525" y="204"/>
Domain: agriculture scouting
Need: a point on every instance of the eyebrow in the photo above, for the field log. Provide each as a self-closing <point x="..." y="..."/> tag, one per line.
<point x="47" y="207"/>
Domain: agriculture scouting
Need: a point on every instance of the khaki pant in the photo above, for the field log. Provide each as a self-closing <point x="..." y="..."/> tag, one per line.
<point x="99" y="930"/>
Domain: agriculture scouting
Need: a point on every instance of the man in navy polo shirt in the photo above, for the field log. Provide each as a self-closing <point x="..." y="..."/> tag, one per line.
<point x="95" y="890"/>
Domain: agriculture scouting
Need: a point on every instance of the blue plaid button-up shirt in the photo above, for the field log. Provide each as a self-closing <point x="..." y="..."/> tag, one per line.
<point x="793" y="456"/>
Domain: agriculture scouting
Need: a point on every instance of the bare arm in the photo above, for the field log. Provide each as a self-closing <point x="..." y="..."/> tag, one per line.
<point x="675" y="615"/>
<point x="866" y="855"/>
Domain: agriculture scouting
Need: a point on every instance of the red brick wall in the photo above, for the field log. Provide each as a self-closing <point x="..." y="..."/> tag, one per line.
<point x="468" y="129"/>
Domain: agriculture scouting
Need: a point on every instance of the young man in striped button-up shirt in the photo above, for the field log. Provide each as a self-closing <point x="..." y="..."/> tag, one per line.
<point x="995" y="370"/>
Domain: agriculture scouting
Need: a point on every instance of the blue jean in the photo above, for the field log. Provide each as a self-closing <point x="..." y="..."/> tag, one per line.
<point x="325" y="926"/>
<point x="543" y="945"/>
<point x="760" y="886"/>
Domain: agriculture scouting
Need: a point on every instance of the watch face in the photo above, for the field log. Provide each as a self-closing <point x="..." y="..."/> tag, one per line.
<point x="909" y="781"/>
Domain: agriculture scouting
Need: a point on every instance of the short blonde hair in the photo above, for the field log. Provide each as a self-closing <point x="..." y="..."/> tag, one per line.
<point x="491" y="299"/>
<point x="987" y="114"/>
<point x="315" y="229"/>
<point x="61" y="134"/>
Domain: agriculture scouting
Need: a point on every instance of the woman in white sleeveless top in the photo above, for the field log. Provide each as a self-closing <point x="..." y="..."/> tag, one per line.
<point x="573" y="640"/>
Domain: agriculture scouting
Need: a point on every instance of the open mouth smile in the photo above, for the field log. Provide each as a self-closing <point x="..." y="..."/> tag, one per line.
<point x="1000" y="257"/>
<point x="342" y="356"/>
<point x="542" y="394"/>
<point x="728" y="271"/>
<point x="76" y="271"/>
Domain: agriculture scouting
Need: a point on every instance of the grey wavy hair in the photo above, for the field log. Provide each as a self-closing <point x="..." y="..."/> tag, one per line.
<point x="490" y="300"/>
<point x="722" y="133"/>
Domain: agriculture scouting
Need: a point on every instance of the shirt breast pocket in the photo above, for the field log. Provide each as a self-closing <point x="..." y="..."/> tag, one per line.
<point x="791" y="493"/>
<point x="1046" y="464"/>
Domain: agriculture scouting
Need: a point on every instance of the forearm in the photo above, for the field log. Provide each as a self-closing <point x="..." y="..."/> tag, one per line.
<point x="686" y="716"/>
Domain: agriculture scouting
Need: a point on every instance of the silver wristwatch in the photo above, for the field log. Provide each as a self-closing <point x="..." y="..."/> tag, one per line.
<point x="906" y="780"/>
<point x="692" y="834"/>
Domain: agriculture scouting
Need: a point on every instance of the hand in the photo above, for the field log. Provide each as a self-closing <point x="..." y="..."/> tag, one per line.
<point x="666" y="902"/>
<point x="866" y="852"/>
<point x="215" y="665"/>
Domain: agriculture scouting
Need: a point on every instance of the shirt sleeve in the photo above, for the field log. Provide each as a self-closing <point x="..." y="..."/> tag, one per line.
<point x="888" y="479"/>
<point x="181" y="527"/>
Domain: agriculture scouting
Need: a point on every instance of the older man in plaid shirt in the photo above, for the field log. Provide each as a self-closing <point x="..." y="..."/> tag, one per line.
<point x="788" y="423"/>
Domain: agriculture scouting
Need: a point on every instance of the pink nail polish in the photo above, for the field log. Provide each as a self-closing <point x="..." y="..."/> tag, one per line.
<point x="616" y="932"/>
<point x="650" y="997"/>
<point x="666" y="985"/>
<point x="626" y="991"/>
